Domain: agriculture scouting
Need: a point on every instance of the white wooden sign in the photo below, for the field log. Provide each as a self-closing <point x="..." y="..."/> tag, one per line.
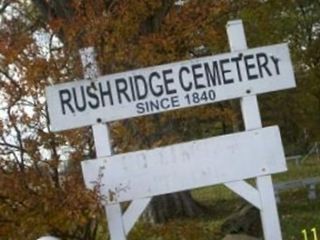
<point x="170" y="86"/>
<point x="184" y="166"/>
<point x="229" y="159"/>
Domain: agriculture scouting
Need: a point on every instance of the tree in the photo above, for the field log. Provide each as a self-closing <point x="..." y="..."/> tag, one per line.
<point x="295" y="22"/>
<point x="141" y="38"/>
<point x="39" y="45"/>
<point x="296" y="111"/>
<point x="31" y="155"/>
<point x="37" y="195"/>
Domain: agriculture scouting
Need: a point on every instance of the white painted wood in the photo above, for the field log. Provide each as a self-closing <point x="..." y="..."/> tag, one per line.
<point x="186" y="166"/>
<point x="246" y="191"/>
<point x="236" y="36"/>
<point x="133" y="212"/>
<point x="249" y="104"/>
<point x="48" y="238"/>
<point x="143" y="174"/>
<point x="250" y="112"/>
<point x="252" y="120"/>
<point x="171" y="83"/>
<point x="136" y="207"/>
<point x="115" y="223"/>
<point x="102" y="140"/>
<point x="100" y="131"/>
<point x="269" y="212"/>
<point x="103" y="145"/>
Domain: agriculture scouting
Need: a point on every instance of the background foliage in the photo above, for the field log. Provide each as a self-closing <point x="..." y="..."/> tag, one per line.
<point x="41" y="188"/>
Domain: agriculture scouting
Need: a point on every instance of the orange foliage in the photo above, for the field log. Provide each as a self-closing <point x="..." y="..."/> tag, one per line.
<point x="41" y="188"/>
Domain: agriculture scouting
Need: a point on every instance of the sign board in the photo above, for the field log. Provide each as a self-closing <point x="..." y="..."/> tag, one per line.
<point x="188" y="165"/>
<point x="170" y="86"/>
<point x="229" y="159"/>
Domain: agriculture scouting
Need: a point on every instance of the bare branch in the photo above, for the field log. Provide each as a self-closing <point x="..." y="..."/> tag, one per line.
<point x="19" y="139"/>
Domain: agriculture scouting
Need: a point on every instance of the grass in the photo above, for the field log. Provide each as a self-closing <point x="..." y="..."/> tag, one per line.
<point x="295" y="210"/>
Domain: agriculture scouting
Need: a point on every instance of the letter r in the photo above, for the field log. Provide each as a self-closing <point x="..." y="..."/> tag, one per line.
<point x="65" y="98"/>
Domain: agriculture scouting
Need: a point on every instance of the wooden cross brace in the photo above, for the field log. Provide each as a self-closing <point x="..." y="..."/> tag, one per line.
<point x="261" y="197"/>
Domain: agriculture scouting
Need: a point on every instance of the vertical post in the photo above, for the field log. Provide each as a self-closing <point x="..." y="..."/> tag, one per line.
<point x="252" y="120"/>
<point x="103" y="145"/>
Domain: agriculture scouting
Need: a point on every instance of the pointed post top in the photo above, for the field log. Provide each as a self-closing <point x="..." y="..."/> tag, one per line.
<point x="236" y="35"/>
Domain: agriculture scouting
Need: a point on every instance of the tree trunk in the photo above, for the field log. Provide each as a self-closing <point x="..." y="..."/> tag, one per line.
<point x="169" y="206"/>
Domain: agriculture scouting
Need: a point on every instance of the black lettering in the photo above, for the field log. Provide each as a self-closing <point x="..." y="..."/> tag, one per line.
<point x="147" y="107"/>
<point x="159" y="87"/>
<point x="154" y="105"/>
<point x="140" y="108"/>
<point x="122" y="87"/>
<point x="79" y="107"/>
<point x="92" y="96"/>
<point x="262" y="61"/>
<point x="212" y="75"/>
<point x="224" y="71"/>
<point x="250" y="66"/>
<point x="175" y="101"/>
<point x="165" y="104"/>
<point x="168" y="81"/>
<point x="197" y="76"/>
<point x="237" y="60"/>
<point x="141" y="89"/>
<point x="276" y="64"/>
<point x="184" y="87"/>
<point x="104" y="93"/>
<point x="132" y="89"/>
<point x="65" y="98"/>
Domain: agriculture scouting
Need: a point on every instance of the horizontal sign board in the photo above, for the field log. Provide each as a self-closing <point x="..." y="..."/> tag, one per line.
<point x="171" y="86"/>
<point x="185" y="166"/>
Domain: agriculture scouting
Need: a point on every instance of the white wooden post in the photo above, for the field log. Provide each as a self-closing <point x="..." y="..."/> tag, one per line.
<point x="48" y="238"/>
<point x="119" y="224"/>
<point x="103" y="145"/>
<point x="252" y="120"/>
<point x="263" y="197"/>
